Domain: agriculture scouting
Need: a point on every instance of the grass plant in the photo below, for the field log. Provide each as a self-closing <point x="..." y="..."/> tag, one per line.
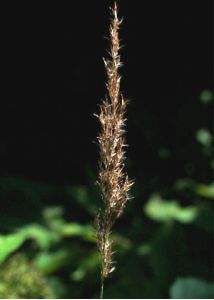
<point x="113" y="180"/>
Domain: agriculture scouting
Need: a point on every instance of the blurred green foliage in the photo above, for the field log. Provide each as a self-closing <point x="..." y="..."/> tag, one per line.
<point x="164" y="247"/>
<point x="191" y="288"/>
<point x="165" y="211"/>
<point x="22" y="279"/>
<point x="206" y="96"/>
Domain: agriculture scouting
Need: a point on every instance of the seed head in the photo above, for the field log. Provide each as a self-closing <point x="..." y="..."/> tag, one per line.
<point x="113" y="181"/>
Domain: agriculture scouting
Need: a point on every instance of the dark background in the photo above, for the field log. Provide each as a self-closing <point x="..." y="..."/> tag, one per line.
<point x="53" y="79"/>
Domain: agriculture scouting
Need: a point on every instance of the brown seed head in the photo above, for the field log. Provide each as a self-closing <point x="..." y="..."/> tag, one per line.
<point x="113" y="181"/>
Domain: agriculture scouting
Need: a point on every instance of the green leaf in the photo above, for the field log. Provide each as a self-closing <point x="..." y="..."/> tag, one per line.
<point x="206" y="191"/>
<point x="9" y="244"/>
<point x="42" y="236"/>
<point x="204" y="137"/>
<point x="163" y="211"/>
<point x="191" y="288"/>
<point x="75" y="229"/>
<point x="206" y="96"/>
<point x="51" y="262"/>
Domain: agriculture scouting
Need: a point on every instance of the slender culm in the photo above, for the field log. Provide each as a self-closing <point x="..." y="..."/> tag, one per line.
<point x="113" y="181"/>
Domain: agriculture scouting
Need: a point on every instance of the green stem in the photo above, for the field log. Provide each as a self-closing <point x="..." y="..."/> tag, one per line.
<point x="101" y="287"/>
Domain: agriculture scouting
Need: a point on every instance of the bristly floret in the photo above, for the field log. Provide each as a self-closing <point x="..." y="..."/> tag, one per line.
<point x="113" y="181"/>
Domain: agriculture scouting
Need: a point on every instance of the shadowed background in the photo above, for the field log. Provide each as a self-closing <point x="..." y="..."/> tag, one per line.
<point x="53" y="81"/>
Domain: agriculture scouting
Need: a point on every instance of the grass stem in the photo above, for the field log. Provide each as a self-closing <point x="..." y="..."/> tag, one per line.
<point x="101" y="287"/>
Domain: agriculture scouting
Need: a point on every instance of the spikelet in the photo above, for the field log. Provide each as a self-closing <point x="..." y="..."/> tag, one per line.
<point x="113" y="181"/>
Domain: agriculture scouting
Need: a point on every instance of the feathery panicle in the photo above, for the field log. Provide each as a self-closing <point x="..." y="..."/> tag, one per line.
<point x="113" y="181"/>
